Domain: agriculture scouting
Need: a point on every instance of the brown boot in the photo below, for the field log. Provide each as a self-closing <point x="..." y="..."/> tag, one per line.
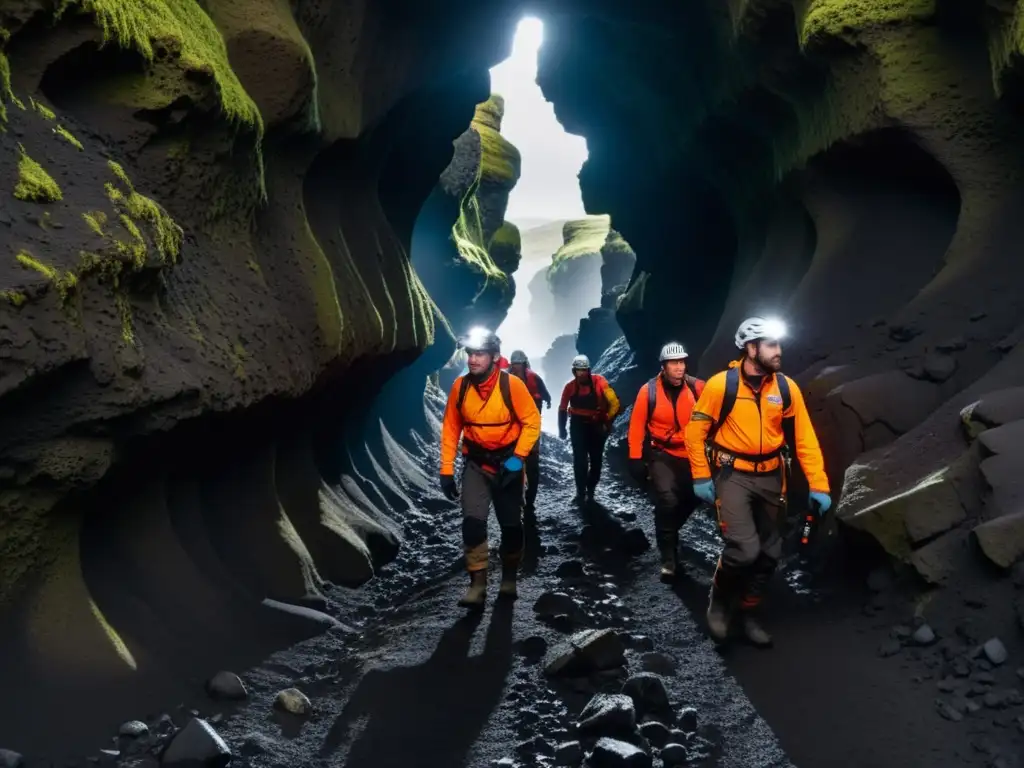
<point x="509" y="573"/>
<point x="476" y="595"/>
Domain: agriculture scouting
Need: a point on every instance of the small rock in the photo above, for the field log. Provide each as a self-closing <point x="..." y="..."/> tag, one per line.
<point x="608" y="713"/>
<point x="961" y="668"/>
<point x="972" y="707"/>
<point x="612" y="753"/>
<point x="226" y="686"/>
<point x="980" y="315"/>
<point x="133" y="729"/>
<point x="1020" y="673"/>
<point x="568" y="753"/>
<point x="634" y="541"/>
<point x="900" y="632"/>
<point x="924" y="635"/>
<point x="197" y="744"/>
<point x="585" y="652"/>
<point x="938" y="367"/>
<point x="294" y="701"/>
<point x="995" y="651"/>
<point x="649" y="695"/>
<point x="140" y="761"/>
<point x="954" y="344"/>
<point x="674" y="754"/>
<point x="11" y="759"/>
<point x="947" y="685"/>
<point x="688" y="720"/>
<point x="984" y="678"/>
<point x="552" y="604"/>
<point x="658" y="663"/>
<point x="1002" y="699"/>
<point x="655" y="732"/>
<point x="948" y="712"/>
<point x="570" y="569"/>
<point x="889" y="648"/>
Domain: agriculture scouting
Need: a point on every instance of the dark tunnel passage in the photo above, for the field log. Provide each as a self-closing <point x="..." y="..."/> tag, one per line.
<point x="241" y="239"/>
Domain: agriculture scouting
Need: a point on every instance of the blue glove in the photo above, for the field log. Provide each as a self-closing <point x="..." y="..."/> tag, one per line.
<point x="513" y="464"/>
<point x="820" y="502"/>
<point x="705" y="490"/>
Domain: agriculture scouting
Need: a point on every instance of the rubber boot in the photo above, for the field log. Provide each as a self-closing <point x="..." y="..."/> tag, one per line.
<point x="507" y="590"/>
<point x="718" y="615"/>
<point x="668" y="544"/>
<point x="580" y="497"/>
<point x="590" y="492"/>
<point x="720" y="601"/>
<point x="476" y="595"/>
<point x="754" y="632"/>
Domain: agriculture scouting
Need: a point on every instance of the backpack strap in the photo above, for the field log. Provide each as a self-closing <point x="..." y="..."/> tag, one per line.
<point x="788" y="427"/>
<point x="505" y="386"/>
<point x="732" y="388"/>
<point x="652" y="398"/>
<point x="692" y="384"/>
<point x="463" y="389"/>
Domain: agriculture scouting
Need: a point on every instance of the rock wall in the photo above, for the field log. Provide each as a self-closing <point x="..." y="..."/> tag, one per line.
<point x="203" y="281"/>
<point x="601" y="327"/>
<point x="852" y="166"/>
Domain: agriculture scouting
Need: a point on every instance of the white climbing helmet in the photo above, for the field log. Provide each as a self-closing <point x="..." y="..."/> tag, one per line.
<point x="581" y="363"/>
<point x="757" y="328"/>
<point x="672" y="351"/>
<point x="518" y="357"/>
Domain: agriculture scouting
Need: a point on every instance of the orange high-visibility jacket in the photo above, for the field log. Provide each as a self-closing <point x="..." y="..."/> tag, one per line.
<point x="485" y="420"/>
<point x="593" y="401"/>
<point x="753" y="430"/>
<point x="666" y="429"/>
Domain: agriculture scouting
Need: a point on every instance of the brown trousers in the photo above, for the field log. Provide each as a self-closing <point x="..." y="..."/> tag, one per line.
<point x="480" y="489"/>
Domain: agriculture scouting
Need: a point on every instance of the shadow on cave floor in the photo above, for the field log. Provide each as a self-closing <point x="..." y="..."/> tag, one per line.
<point x="444" y="702"/>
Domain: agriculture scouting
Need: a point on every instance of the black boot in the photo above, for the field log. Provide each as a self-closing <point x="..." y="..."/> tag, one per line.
<point x="668" y="546"/>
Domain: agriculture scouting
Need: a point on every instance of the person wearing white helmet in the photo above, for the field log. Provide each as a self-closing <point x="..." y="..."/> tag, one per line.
<point x="736" y="436"/>
<point x="519" y="365"/>
<point x="657" y="449"/>
<point x="498" y="423"/>
<point x="593" y="405"/>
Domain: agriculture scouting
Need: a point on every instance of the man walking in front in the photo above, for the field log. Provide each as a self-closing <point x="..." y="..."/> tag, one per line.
<point x="657" y="449"/>
<point x="499" y="424"/>
<point x="591" y="402"/>
<point x="741" y="420"/>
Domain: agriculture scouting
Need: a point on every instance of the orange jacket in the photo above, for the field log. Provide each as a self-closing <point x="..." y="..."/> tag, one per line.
<point x="595" y="401"/>
<point x="754" y="430"/>
<point x="666" y="429"/>
<point x="485" y="420"/>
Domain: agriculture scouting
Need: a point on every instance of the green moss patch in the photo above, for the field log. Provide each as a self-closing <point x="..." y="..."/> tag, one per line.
<point x="182" y="24"/>
<point x="6" y="94"/>
<point x="69" y="137"/>
<point x="500" y="161"/>
<point x="582" y="237"/>
<point x="135" y="209"/>
<point x="14" y="298"/>
<point x="42" y="109"/>
<point x="834" y="18"/>
<point x="34" y="183"/>
<point x="63" y="282"/>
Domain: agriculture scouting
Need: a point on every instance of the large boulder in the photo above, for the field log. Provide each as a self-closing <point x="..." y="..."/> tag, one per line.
<point x="1002" y="540"/>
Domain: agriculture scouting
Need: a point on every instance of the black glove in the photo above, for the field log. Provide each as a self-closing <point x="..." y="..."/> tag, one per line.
<point x="448" y="487"/>
<point x="638" y="470"/>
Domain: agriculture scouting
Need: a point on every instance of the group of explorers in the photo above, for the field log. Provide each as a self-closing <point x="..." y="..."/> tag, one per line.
<point x="723" y="442"/>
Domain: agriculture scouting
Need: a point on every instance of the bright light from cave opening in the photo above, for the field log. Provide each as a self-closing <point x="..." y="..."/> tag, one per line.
<point x="548" y="191"/>
<point x="548" y="188"/>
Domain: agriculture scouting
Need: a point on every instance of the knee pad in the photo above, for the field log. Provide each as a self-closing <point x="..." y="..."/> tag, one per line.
<point x="474" y="531"/>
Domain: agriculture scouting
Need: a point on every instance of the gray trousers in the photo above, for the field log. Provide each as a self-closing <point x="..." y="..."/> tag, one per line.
<point x="750" y="514"/>
<point x="480" y="490"/>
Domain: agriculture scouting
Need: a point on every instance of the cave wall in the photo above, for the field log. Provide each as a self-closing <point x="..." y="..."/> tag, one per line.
<point x="204" y="241"/>
<point x="852" y="166"/>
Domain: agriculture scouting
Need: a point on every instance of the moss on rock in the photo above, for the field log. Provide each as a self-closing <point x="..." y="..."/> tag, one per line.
<point x="139" y="24"/>
<point x="135" y="209"/>
<point x="34" y="183"/>
<point x="837" y="18"/>
<point x="582" y="237"/>
<point x="500" y="161"/>
<point x="69" y="137"/>
<point x="63" y="282"/>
